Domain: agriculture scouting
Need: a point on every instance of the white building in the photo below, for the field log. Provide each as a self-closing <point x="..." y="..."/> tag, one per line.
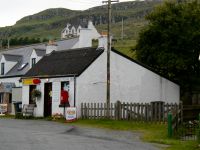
<point x="75" y="30"/>
<point x="15" y="62"/>
<point x="84" y="71"/>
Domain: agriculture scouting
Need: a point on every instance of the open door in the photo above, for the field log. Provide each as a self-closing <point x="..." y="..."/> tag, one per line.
<point x="47" y="99"/>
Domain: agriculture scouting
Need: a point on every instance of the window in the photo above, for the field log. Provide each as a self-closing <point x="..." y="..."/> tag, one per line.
<point x="22" y="66"/>
<point x="2" y="68"/>
<point x="1" y="97"/>
<point x="65" y="85"/>
<point x="33" y="62"/>
<point x="64" y="99"/>
<point x="31" y="98"/>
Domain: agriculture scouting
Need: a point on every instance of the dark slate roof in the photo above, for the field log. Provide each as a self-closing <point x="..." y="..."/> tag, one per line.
<point x="64" y="63"/>
<point x="40" y="52"/>
<point x="10" y="57"/>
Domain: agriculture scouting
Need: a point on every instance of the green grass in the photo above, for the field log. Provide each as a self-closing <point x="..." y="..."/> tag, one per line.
<point x="152" y="132"/>
<point x="126" y="47"/>
<point x="8" y="116"/>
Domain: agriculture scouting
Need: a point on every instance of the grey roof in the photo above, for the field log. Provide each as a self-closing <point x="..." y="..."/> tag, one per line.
<point x="26" y="51"/>
<point x="67" y="43"/>
<point x="65" y="63"/>
<point x="40" y="52"/>
<point x="10" y="57"/>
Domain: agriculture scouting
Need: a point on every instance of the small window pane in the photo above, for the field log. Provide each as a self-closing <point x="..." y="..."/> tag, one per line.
<point x="2" y="68"/>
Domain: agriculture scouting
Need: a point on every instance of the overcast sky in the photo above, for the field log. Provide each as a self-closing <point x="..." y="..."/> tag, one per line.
<point x="13" y="10"/>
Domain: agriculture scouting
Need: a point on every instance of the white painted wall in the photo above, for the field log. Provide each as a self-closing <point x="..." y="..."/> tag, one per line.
<point x="78" y="30"/>
<point x="34" y="55"/>
<point x="91" y="84"/>
<point x="8" y="65"/>
<point x="39" y="110"/>
<point x="133" y="83"/>
<point x="73" y="30"/>
<point x="94" y="32"/>
<point x="85" y="38"/>
<point x="130" y="82"/>
<point x="12" y="80"/>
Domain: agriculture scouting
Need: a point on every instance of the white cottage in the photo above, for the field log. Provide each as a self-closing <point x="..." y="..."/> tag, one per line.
<point x="76" y="30"/>
<point x="83" y="72"/>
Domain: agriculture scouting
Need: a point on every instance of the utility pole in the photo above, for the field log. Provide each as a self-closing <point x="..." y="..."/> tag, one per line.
<point x="8" y="44"/>
<point x="122" y="34"/>
<point x="1" y="44"/>
<point x="108" y="54"/>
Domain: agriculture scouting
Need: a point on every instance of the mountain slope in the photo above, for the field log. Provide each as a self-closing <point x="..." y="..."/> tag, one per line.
<point x="49" y="23"/>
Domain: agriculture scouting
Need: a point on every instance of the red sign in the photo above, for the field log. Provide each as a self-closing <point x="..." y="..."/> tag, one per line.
<point x="36" y="81"/>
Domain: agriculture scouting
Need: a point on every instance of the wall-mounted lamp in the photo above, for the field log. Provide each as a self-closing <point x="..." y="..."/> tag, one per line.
<point x="47" y="79"/>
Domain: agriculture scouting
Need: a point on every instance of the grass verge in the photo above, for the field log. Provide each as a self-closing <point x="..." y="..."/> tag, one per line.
<point x="152" y="132"/>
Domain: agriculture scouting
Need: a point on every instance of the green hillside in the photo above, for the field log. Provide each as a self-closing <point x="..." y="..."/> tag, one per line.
<point x="49" y="23"/>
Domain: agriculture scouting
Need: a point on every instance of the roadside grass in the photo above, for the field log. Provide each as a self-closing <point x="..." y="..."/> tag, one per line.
<point x="126" y="47"/>
<point x="7" y="116"/>
<point x="151" y="132"/>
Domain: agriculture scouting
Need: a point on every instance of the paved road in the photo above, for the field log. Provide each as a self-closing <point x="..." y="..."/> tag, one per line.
<point x="44" y="135"/>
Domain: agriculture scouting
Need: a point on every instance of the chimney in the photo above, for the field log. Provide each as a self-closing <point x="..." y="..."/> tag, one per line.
<point x="51" y="46"/>
<point x="90" y="25"/>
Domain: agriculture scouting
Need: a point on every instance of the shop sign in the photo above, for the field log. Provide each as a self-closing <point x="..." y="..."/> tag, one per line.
<point x="3" y="108"/>
<point x="70" y="114"/>
<point x="32" y="81"/>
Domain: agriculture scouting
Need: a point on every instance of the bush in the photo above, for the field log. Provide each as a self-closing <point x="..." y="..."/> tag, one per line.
<point x="198" y="135"/>
<point x="36" y="93"/>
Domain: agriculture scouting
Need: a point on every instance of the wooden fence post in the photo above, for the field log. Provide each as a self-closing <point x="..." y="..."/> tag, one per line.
<point x="169" y="121"/>
<point x="118" y="110"/>
<point x="82" y="115"/>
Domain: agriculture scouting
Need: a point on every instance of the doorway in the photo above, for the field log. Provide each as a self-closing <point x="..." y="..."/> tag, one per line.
<point x="47" y="99"/>
<point x="31" y="98"/>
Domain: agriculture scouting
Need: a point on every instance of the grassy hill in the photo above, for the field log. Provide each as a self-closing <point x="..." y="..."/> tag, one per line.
<point x="49" y="23"/>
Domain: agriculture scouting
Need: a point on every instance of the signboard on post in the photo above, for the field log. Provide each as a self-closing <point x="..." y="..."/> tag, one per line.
<point x="3" y="108"/>
<point x="70" y="114"/>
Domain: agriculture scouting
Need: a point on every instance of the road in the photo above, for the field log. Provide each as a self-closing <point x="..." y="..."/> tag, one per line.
<point x="46" y="135"/>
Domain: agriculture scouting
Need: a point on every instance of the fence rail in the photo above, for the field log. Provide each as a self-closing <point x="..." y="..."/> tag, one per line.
<point x="154" y="111"/>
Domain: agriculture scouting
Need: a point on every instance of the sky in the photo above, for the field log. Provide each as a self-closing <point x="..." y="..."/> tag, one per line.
<point x="13" y="10"/>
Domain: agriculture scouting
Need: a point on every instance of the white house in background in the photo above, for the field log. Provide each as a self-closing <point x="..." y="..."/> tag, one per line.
<point x="83" y="71"/>
<point x="70" y="31"/>
<point x="75" y="30"/>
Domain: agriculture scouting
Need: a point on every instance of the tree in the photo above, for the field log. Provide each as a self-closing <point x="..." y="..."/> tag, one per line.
<point x="171" y="42"/>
